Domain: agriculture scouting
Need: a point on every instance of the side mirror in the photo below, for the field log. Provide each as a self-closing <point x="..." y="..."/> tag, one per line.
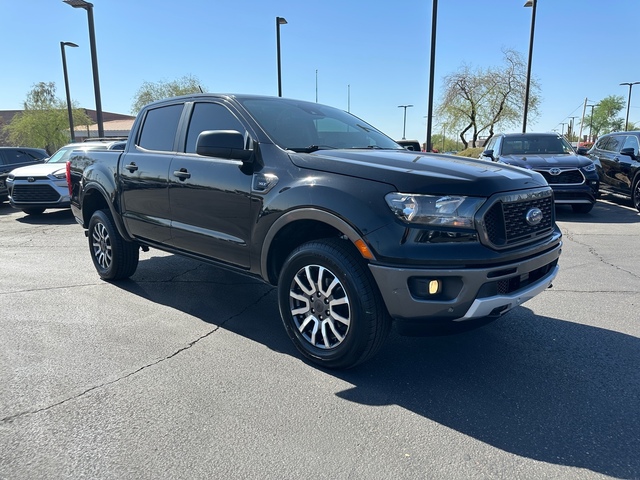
<point x="582" y="150"/>
<point x="489" y="153"/>
<point x="629" y="152"/>
<point x="223" y="144"/>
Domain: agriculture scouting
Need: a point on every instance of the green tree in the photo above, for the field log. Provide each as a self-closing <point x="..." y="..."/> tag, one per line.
<point x="477" y="102"/>
<point x="44" y="122"/>
<point x="153" y="91"/>
<point x="605" y="117"/>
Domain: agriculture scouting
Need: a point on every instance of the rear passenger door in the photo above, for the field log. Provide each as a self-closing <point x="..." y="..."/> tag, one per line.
<point x="144" y="174"/>
<point x="625" y="166"/>
<point x="210" y="197"/>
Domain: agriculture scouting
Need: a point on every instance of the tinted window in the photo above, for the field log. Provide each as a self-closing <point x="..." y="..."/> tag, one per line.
<point x="210" y="116"/>
<point x="13" y="156"/>
<point x="631" y="142"/>
<point x="160" y="127"/>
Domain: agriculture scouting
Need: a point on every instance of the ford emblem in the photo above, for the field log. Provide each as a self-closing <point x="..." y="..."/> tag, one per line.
<point x="555" y="171"/>
<point x="534" y="216"/>
<point x="31" y="179"/>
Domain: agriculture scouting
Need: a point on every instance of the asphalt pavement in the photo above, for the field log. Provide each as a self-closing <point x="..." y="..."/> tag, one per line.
<point x="185" y="371"/>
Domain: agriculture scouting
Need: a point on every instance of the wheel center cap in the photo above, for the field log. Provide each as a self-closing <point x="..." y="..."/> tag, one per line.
<point x="319" y="305"/>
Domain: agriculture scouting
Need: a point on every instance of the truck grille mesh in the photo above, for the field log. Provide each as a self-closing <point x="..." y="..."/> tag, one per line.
<point x="34" y="194"/>
<point x="505" y="222"/>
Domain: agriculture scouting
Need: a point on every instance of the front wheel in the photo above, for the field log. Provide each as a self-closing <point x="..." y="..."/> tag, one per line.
<point x="113" y="257"/>
<point x="635" y="193"/>
<point x="582" y="207"/>
<point x="33" y="211"/>
<point x="330" y="305"/>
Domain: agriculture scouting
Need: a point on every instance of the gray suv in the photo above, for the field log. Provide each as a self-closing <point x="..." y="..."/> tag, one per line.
<point x="14" y="157"/>
<point x="617" y="160"/>
<point x="35" y="188"/>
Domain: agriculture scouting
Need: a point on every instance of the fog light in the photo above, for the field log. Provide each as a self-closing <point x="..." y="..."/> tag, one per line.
<point x="434" y="287"/>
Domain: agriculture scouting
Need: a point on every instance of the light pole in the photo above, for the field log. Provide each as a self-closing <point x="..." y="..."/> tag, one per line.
<point x="631" y="84"/>
<point x="94" y="59"/>
<point x="571" y="130"/>
<point x="66" y="87"/>
<point x="404" y="127"/>
<point x="529" y="3"/>
<point x="432" y="67"/>
<point x="591" y="122"/>
<point x="279" y="21"/>
<point x="563" y="124"/>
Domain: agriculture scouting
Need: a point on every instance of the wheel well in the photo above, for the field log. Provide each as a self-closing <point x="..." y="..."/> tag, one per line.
<point x="292" y="236"/>
<point x="91" y="202"/>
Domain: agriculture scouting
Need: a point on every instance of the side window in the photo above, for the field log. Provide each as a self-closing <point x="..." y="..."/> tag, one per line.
<point x="160" y="127"/>
<point x="616" y="143"/>
<point x="210" y="116"/>
<point x="491" y="144"/>
<point x="14" y="156"/>
<point x="631" y="142"/>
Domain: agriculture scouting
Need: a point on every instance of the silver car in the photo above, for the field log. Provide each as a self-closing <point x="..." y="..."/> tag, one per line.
<point x="35" y="188"/>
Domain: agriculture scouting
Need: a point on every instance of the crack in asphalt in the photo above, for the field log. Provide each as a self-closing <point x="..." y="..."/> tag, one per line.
<point x="592" y="251"/>
<point x="13" y="417"/>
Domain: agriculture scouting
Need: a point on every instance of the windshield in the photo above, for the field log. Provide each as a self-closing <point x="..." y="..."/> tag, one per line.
<point x="306" y="127"/>
<point x="535" y="144"/>
<point x="64" y="153"/>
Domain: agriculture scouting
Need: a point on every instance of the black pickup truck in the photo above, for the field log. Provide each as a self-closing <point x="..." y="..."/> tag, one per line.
<point x="354" y="230"/>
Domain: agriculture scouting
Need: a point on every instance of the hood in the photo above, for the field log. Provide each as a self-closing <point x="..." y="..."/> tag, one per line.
<point x="39" y="170"/>
<point x="546" y="161"/>
<point x="416" y="172"/>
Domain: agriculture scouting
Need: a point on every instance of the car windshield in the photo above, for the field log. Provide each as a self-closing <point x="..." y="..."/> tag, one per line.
<point x="64" y="153"/>
<point x="307" y="127"/>
<point x="535" y="144"/>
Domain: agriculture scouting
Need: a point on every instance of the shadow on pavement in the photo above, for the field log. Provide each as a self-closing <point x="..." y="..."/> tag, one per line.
<point x="609" y="209"/>
<point x="49" y="217"/>
<point x="537" y="387"/>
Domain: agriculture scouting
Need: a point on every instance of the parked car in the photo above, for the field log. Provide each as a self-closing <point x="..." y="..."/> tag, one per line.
<point x="410" y="145"/>
<point x="617" y="161"/>
<point x="14" y="157"/>
<point x="35" y="188"/>
<point x="572" y="177"/>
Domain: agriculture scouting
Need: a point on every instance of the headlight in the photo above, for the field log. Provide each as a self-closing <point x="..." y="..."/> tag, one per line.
<point x="443" y="210"/>
<point x="60" y="173"/>
<point x="589" y="168"/>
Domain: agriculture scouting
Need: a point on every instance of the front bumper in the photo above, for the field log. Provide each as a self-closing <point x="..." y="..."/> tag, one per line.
<point x="467" y="293"/>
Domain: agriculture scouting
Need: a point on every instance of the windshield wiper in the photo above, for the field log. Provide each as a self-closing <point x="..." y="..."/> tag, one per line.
<point x="312" y="148"/>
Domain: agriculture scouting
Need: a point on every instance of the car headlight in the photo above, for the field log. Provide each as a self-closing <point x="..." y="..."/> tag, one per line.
<point x="437" y="210"/>
<point x="60" y="174"/>
<point x="11" y="176"/>
<point x="589" y="168"/>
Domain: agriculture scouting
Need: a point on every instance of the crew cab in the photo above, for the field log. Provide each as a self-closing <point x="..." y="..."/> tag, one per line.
<point x="355" y="231"/>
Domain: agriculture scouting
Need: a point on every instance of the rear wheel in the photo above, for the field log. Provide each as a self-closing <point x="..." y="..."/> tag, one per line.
<point x="33" y="211"/>
<point x="113" y="257"/>
<point x="330" y="305"/>
<point x="582" y="207"/>
<point x="635" y="193"/>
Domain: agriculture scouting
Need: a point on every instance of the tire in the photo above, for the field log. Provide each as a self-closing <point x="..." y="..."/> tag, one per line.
<point x="33" y="211"/>
<point x="113" y="257"/>
<point x="635" y="193"/>
<point x="328" y="276"/>
<point x="582" y="207"/>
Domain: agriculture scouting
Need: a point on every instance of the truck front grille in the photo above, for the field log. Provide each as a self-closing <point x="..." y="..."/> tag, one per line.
<point x="507" y="220"/>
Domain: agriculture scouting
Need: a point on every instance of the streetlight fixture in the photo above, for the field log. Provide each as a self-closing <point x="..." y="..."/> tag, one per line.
<point x="94" y="59"/>
<point x="529" y="3"/>
<point x="631" y="84"/>
<point x="279" y="21"/>
<point x="404" y="127"/>
<point x="66" y="87"/>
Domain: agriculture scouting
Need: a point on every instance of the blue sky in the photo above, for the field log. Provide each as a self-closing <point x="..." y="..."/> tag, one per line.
<point x="370" y="56"/>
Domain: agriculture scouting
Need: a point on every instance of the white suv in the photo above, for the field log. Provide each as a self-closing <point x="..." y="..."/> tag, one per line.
<point x="35" y="188"/>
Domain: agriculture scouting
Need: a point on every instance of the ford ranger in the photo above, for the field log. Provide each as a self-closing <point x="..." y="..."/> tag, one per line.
<point x="355" y="231"/>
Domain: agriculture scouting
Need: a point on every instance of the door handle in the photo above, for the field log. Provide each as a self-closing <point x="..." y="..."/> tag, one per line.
<point x="182" y="174"/>
<point x="132" y="167"/>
